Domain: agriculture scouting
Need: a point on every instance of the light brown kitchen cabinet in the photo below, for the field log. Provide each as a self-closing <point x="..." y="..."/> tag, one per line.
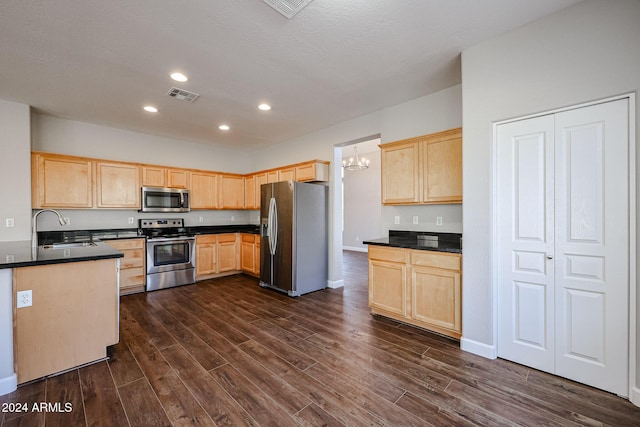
<point x="73" y="319"/>
<point x="231" y="191"/>
<point x="61" y="181"/>
<point x="158" y="176"/>
<point x="422" y="288"/>
<point x="388" y="280"/>
<point x="250" y="192"/>
<point x="204" y="190"/>
<point x="261" y="178"/>
<point x="287" y="174"/>
<point x="206" y="259"/>
<point x="117" y="185"/>
<point x="272" y="176"/>
<point x="250" y="254"/>
<point x="312" y="171"/>
<point x="423" y="170"/>
<point x="228" y="252"/>
<point x="132" y="266"/>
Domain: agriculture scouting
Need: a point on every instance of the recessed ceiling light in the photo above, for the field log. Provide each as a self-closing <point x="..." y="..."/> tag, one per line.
<point x="179" y="77"/>
<point x="264" y="107"/>
<point x="150" y="109"/>
<point x="224" y="127"/>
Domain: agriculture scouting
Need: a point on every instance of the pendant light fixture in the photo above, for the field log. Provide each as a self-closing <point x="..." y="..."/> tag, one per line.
<point x="357" y="163"/>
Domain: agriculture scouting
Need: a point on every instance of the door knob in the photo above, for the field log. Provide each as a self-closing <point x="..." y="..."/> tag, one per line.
<point x="549" y="256"/>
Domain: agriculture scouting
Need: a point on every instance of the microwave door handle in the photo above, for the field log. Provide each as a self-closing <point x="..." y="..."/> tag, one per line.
<point x="182" y="200"/>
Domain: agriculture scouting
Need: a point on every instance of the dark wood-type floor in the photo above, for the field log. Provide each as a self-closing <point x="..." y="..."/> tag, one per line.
<point x="226" y="352"/>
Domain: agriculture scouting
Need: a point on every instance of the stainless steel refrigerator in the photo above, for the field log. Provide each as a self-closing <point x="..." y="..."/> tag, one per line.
<point x="293" y="237"/>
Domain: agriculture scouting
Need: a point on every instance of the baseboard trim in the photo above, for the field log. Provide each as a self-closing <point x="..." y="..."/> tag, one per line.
<point x="354" y="248"/>
<point x="334" y="284"/>
<point x="635" y="396"/>
<point x="8" y="384"/>
<point x="481" y="349"/>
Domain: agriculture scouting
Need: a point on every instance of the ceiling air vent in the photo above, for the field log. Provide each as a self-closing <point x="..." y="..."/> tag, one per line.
<point x="182" y="95"/>
<point x="288" y="8"/>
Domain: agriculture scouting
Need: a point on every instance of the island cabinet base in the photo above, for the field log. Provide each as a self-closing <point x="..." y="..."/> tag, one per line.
<point x="73" y="317"/>
<point x="418" y="287"/>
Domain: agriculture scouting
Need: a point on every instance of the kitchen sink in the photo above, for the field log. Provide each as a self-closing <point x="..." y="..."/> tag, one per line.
<point x="68" y="245"/>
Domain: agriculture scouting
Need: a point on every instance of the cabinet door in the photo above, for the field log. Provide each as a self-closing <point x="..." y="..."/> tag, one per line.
<point x="312" y="171"/>
<point x="177" y="178"/>
<point x="256" y="255"/>
<point x="272" y="176"/>
<point x="261" y="178"/>
<point x="117" y="185"/>
<point x="204" y="190"/>
<point x="153" y="176"/>
<point x="287" y="174"/>
<point x="250" y="192"/>
<point x="435" y="296"/>
<point x="205" y="258"/>
<point x="388" y="287"/>
<point x="442" y="171"/>
<point x="247" y="253"/>
<point x="400" y="174"/>
<point x="227" y="253"/>
<point x="231" y="192"/>
<point x="59" y="182"/>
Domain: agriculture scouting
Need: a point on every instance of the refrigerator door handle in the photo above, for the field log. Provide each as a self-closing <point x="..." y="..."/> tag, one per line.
<point x="273" y="226"/>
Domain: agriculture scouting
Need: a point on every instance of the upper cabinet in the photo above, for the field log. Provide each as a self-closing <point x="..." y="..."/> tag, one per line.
<point x="423" y="170"/>
<point x="117" y="185"/>
<point x="158" y="176"/>
<point x="250" y="199"/>
<point x="231" y="192"/>
<point x="61" y="181"/>
<point x="312" y="171"/>
<point x="204" y="190"/>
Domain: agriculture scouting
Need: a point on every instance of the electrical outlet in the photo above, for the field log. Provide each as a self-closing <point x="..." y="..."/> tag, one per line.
<point x="415" y="219"/>
<point x="201" y="219"/>
<point x="130" y="219"/>
<point x="10" y="223"/>
<point x="233" y="218"/>
<point x="67" y="220"/>
<point x="24" y="299"/>
<point x="438" y="220"/>
<point x="396" y="219"/>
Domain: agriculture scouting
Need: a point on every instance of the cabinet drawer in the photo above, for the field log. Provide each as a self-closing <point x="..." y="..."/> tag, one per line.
<point x="387" y="254"/>
<point x="226" y="238"/>
<point x="208" y="238"/>
<point x="132" y="258"/>
<point x="434" y="259"/>
<point x="248" y="238"/>
<point x="132" y="277"/>
<point x="127" y="244"/>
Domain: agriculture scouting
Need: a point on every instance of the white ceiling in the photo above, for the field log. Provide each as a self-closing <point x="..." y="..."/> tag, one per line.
<point x="100" y="61"/>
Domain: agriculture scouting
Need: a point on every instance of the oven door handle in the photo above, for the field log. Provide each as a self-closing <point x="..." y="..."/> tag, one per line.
<point x="169" y="239"/>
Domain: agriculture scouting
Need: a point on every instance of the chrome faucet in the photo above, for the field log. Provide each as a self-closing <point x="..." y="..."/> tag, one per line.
<point x="34" y="231"/>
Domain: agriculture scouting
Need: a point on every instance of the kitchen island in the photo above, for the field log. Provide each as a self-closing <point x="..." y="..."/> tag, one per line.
<point x="68" y="314"/>
<point x="415" y="278"/>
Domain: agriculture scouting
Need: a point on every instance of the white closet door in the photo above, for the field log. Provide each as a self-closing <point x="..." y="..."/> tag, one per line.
<point x="592" y="240"/>
<point x="525" y="239"/>
<point x="563" y="244"/>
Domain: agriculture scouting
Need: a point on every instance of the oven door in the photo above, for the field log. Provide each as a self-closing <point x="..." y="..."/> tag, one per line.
<point x="170" y="254"/>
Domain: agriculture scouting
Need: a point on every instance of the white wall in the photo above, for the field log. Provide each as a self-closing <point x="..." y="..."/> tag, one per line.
<point x="583" y="53"/>
<point x="428" y="114"/>
<point x="15" y="171"/>
<point x="362" y="209"/>
<point x="55" y="135"/>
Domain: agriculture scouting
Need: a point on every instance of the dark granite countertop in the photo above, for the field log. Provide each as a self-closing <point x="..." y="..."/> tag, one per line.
<point x="421" y="240"/>
<point x="21" y="254"/>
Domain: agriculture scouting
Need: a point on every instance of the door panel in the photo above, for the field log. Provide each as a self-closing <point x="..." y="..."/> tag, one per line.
<point x="592" y="240"/>
<point x="525" y="229"/>
<point x="563" y="244"/>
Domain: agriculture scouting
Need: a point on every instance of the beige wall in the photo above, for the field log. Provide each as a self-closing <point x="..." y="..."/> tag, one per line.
<point x="15" y="167"/>
<point x="583" y="53"/>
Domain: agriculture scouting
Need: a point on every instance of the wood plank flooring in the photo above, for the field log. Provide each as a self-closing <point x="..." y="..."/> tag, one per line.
<point x="226" y="352"/>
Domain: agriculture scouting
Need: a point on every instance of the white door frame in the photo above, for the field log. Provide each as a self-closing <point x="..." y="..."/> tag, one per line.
<point x="634" y="389"/>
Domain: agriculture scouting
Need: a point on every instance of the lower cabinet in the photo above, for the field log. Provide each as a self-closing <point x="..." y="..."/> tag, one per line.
<point x="132" y="266"/>
<point x="419" y="287"/>
<point x="218" y="255"/>
<point x="250" y="254"/>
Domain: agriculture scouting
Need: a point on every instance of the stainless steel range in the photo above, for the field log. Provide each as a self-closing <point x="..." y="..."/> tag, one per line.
<point x="171" y="253"/>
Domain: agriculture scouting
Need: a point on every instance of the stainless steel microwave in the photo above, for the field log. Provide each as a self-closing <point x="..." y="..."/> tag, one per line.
<point x="160" y="199"/>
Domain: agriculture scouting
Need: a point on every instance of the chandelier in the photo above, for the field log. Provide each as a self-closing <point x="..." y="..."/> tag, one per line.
<point x="357" y="163"/>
